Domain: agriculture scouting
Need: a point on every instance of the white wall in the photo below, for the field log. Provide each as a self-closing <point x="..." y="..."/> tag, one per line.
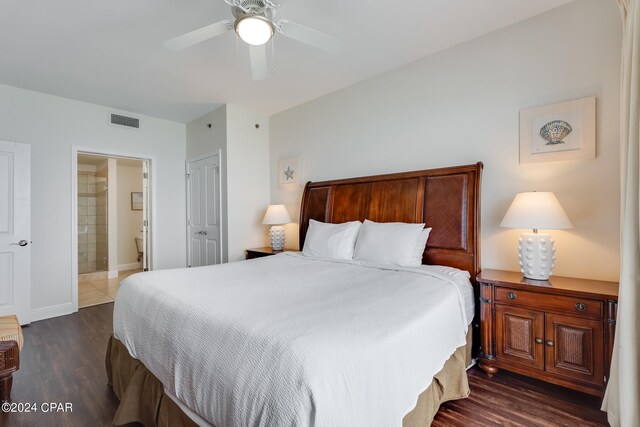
<point x="112" y="214"/>
<point x="245" y="172"/>
<point x="247" y="180"/>
<point x="52" y="125"/>
<point x="460" y="106"/>
<point x="201" y="140"/>
<point x="129" y="221"/>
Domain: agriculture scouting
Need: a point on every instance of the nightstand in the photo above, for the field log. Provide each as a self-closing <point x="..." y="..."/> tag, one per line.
<point x="261" y="252"/>
<point x="560" y="331"/>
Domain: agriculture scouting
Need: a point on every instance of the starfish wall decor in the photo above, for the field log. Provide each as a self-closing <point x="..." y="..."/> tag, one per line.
<point x="289" y="171"/>
<point x="288" y="174"/>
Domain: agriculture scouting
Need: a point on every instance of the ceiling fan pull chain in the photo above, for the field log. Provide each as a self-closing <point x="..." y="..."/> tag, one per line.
<point x="273" y="57"/>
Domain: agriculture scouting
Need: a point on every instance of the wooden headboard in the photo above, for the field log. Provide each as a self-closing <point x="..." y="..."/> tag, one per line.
<point x="446" y="199"/>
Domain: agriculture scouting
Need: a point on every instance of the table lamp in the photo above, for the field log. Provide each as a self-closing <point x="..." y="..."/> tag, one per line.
<point x="276" y="216"/>
<point x="536" y="251"/>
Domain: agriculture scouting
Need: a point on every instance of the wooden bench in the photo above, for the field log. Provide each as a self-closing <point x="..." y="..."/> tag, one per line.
<point x="11" y="341"/>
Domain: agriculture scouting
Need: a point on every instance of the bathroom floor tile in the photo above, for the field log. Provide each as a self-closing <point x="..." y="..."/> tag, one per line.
<point x="113" y="290"/>
<point x="89" y="295"/>
<point x="100" y="290"/>
<point x="109" y="287"/>
<point x="124" y="274"/>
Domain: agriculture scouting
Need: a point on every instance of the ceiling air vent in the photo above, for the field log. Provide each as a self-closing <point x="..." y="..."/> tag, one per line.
<point x="131" y="122"/>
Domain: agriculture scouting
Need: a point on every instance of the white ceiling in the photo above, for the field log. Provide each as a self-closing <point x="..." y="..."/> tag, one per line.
<point x="111" y="52"/>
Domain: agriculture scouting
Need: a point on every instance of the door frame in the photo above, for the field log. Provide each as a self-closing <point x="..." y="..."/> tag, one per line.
<point x="188" y="200"/>
<point x="75" y="149"/>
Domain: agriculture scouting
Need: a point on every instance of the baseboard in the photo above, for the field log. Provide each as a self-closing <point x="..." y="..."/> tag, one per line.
<point x="51" y="311"/>
<point x="113" y="274"/>
<point x="130" y="266"/>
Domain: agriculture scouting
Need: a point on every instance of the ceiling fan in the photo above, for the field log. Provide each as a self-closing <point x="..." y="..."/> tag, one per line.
<point x="255" y="24"/>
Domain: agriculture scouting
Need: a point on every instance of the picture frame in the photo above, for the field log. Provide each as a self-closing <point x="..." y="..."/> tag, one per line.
<point x="289" y="171"/>
<point x="561" y="131"/>
<point x="136" y="200"/>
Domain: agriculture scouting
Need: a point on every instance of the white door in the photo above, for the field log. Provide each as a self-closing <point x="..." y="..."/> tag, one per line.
<point x="203" y="211"/>
<point x="15" y="230"/>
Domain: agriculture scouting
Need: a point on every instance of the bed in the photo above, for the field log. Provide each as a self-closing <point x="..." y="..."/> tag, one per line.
<point x="293" y="340"/>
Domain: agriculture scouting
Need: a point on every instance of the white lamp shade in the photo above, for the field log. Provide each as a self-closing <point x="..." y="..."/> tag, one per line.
<point x="276" y="215"/>
<point x="536" y="210"/>
<point x="254" y="29"/>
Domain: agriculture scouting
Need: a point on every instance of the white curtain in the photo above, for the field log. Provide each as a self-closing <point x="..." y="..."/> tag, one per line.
<point x="622" y="399"/>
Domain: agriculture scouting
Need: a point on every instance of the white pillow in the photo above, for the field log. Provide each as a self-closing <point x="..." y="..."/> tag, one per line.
<point x="335" y="241"/>
<point x="420" y="245"/>
<point x="388" y="242"/>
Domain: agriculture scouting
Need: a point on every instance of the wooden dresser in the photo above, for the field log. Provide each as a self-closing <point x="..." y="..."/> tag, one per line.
<point x="560" y="331"/>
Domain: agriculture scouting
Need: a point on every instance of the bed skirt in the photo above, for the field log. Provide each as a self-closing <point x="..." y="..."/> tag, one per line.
<point x="142" y="397"/>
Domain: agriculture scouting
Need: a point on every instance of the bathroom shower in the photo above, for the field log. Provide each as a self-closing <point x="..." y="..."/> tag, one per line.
<point x="93" y="242"/>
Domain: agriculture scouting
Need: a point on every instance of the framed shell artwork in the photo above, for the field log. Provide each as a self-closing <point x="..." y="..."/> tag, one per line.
<point x="556" y="132"/>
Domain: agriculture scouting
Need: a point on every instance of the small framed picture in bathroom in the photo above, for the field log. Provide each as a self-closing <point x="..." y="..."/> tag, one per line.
<point x="136" y="201"/>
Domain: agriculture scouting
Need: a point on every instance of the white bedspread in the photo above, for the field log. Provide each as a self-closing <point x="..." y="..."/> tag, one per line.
<point x="292" y="341"/>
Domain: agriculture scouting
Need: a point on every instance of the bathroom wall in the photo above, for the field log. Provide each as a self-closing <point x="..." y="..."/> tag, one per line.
<point x="129" y="221"/>
<point x="112" y="218"/>
<point x="101" y="220"/>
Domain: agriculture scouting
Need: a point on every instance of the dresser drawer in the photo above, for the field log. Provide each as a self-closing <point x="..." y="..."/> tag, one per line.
<point x="568" y="305"/>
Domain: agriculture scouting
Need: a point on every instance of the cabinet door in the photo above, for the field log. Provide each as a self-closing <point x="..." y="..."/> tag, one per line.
<point x="575" y="348"/>
<point x="519" y="336"/>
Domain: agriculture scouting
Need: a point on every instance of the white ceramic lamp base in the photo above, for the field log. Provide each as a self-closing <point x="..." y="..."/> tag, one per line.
<point x="276" y="237"/>
<point x="537" y="255"/>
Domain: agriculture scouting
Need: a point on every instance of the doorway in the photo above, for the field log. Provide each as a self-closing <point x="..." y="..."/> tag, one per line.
<point x="204" y="211"/>
<point x="112" y="224"/>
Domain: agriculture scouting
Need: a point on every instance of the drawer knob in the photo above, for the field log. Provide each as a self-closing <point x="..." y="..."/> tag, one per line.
<point x="581" y="306"/>
<point x="550" y="343"/>
<point x="511" y="295"/>
<point x="538" y="340"/>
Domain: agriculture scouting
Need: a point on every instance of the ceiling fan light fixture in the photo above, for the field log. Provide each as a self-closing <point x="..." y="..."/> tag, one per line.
<point x="255" y="30"/>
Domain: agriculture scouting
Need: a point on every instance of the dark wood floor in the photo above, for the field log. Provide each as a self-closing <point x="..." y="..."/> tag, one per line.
<point x="63" y="361"/>
<point x="513" y="400"/>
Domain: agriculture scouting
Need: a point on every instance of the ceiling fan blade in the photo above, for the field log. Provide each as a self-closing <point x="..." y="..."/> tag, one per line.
<point x="258" y="58"/>
<point x="199" y="35"/>
<point x="309" y="36"/>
